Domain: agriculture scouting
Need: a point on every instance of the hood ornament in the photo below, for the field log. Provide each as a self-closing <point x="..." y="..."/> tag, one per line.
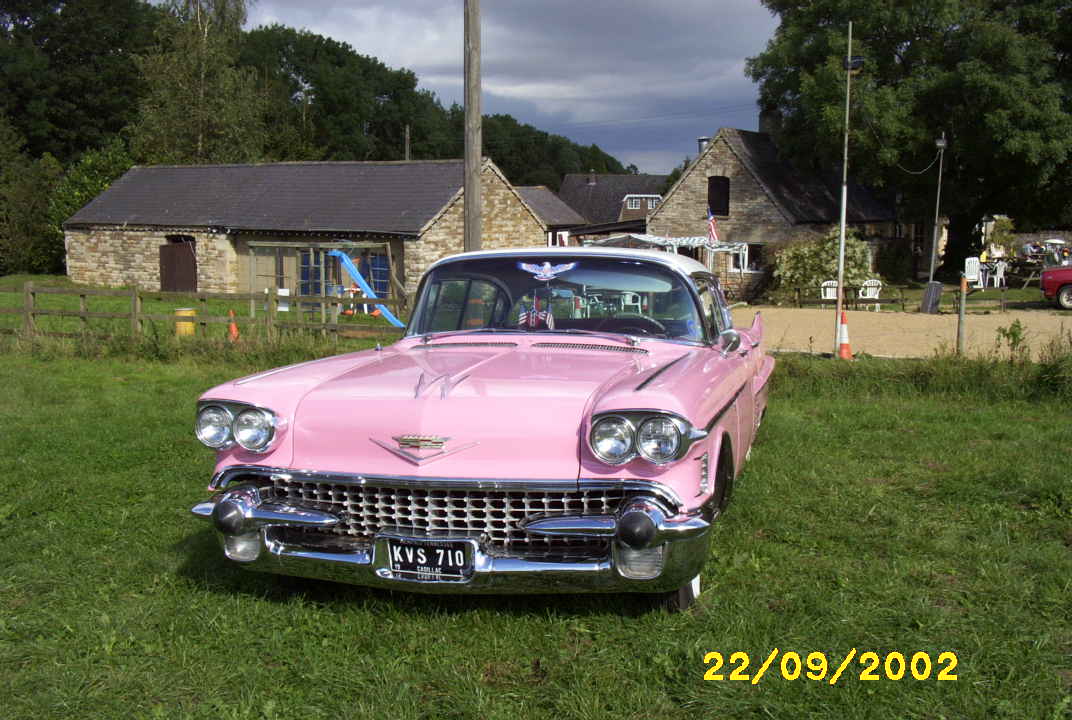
<point x="420" y="449"/>
<point x="420" y="441"/>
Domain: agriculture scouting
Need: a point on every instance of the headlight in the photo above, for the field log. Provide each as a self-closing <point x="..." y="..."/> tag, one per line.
<point x="214" y="426"/>
<point x="254" y="429"/>
<point x="611" y="440"/>
<point x="658" y="439"/>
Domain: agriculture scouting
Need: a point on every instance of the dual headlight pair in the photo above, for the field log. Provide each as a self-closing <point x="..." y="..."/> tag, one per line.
<point x="658" y="437"/>
<point x="220" y="427"/>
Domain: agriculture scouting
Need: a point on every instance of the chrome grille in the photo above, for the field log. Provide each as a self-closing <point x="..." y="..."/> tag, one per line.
<point x="494" y="516"/>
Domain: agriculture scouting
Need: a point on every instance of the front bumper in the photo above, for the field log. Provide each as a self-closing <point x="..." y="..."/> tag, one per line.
<point x="257" y="533"/>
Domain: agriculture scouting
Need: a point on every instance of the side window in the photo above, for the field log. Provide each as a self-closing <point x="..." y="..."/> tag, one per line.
<point x="462" y="304"/>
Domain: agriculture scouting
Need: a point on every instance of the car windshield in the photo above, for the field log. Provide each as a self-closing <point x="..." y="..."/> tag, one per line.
<point x="559" y="293"/>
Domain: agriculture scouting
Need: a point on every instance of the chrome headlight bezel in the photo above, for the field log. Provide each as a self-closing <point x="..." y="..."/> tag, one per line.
<point x="228" y="441"/>
<point x="624" y="422"/>
<point x="265" y="420"/>
<point x="636" y="419"/>
<point x="678" y="429"/>
<point x="235" y="410"/>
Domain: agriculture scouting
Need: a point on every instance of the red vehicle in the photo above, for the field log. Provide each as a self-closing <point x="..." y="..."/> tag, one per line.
<point x="1057" y="285"/>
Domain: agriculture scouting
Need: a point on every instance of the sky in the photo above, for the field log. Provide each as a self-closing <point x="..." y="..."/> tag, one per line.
<point x="641" y="79"/>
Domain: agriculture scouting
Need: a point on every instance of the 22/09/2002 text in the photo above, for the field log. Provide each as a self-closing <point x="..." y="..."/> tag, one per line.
<point x="816" y="666"/>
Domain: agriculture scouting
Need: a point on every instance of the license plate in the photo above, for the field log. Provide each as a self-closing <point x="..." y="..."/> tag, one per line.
<point x="430" y="560"/>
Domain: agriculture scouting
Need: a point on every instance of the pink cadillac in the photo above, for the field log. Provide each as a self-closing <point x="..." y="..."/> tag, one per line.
<point x="554" y="420"/>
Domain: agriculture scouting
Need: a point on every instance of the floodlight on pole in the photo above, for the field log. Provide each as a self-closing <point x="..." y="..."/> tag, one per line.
<point x="853" y="64"/>
<point x="940" y="143"/>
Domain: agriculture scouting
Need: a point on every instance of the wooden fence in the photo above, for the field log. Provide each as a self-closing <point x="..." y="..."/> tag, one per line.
<point x="328" y="307"/>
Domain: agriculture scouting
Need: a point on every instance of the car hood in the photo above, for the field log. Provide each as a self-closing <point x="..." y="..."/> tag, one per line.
<point x="473" y="410"/>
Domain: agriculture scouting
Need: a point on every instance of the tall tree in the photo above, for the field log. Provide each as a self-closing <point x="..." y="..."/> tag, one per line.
<point x="200" y="107"/>
<point x="994" y="76"/>
<point x="67" y="73"/>
<point x="25" y="187"/>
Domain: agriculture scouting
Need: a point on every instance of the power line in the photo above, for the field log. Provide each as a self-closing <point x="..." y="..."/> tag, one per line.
<point x="898" y="165"/>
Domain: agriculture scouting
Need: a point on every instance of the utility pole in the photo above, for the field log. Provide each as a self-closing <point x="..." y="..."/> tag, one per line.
<point x="940" y="143"/>
<point x="852" y="65"/>
<point x="472" y="126"/>
<point x="407" y="142"/>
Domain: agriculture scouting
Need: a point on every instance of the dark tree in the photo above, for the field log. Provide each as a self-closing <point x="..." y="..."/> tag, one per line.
<point x="995" y="77"/>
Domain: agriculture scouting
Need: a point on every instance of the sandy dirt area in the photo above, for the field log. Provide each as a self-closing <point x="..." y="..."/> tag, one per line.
<point x="897" y="334"/>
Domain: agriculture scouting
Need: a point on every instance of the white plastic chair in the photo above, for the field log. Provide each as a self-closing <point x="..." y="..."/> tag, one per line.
<point x="999" y="274"/>
<point x="972" y="272"/>
<point x="870" y="290"/>
<point x="828" y="290"/>
<point x="631" y="300"/>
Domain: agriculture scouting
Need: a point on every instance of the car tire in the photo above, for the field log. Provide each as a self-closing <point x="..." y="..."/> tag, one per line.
<point x="680" y="600"/>
<point x="1064" y="297"/>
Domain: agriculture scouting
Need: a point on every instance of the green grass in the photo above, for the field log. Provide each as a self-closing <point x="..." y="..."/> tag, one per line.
<point x="885" y="508"/>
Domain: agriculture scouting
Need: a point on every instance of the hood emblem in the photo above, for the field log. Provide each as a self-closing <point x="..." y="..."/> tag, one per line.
<point x="420" y="449"/>
<point x="420" y="441"/>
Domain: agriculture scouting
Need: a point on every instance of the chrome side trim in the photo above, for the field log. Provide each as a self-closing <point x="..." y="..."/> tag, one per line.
<point x="725" y="408"/>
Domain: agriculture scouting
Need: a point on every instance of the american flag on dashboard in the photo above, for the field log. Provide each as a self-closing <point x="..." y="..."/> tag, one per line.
<point x="533" y="317"/>
<point x="712" y="226"/>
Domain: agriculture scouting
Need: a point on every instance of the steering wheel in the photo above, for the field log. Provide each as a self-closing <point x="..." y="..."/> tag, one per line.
<point x="635" y="324"/>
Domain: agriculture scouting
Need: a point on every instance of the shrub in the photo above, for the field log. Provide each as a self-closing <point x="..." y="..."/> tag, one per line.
<point x="808" y="263"/>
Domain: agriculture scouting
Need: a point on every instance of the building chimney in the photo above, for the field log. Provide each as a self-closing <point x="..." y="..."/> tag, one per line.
<point x="591" y="176"/>
<point x="701" y="143"/>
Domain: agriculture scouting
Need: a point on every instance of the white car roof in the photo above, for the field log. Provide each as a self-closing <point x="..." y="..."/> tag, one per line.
<point x="681" y="263"/>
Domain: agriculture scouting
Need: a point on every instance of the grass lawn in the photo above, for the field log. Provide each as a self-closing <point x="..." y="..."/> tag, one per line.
<point x="871" y="516"/>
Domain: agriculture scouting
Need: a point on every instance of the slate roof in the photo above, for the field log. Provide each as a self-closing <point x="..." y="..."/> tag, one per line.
<point x="602" y="202"/>
<point x="549" y="207"/>
<point x="386" y="197"/>
<point x="802" y="198"/>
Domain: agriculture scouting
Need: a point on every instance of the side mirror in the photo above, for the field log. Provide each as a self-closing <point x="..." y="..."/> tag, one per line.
<point x="730" y="340"/>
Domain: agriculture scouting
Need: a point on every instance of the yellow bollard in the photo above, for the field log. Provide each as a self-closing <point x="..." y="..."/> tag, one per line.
<point x="185" y="328"/>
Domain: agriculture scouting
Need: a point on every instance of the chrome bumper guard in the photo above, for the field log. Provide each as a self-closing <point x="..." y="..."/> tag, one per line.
<point x="239" y="514"/>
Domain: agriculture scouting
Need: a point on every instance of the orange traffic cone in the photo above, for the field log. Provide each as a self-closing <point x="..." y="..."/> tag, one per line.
<point x="232" y="327"/>
<point x="844" y="351"/>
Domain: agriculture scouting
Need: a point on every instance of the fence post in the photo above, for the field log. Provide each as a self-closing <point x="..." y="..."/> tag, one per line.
<point x="273" y="308"/>
<point x="202" y="326"/>
<point x="960" y="314"/>
<point x="83" y="308"/>
<point x="29" y="297"/>
<point x="135" y="311"/>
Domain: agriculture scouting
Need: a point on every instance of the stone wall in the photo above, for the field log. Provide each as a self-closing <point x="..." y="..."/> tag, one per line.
<point x="115" y="256"/>
<point x="505" y="221"/>
<point x="753" y="218"/>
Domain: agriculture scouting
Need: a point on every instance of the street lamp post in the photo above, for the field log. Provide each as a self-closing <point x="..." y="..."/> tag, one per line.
<point x="852" y="65"/>
<point x="940" y="143"/>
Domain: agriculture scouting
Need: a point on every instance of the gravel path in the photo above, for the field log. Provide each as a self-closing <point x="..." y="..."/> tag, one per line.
<point x="897" y="334"/>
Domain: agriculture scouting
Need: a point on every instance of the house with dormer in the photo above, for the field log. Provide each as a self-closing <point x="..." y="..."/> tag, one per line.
<point x="761" y="201"/>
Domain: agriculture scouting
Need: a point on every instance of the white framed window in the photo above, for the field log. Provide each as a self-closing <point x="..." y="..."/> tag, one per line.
<point x="633" y="203"/>
<point x="754" y="259"/>
<point x="653" y="203"/>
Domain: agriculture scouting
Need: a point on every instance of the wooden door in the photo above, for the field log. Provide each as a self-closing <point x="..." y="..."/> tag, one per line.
<point x="178" y="266"/>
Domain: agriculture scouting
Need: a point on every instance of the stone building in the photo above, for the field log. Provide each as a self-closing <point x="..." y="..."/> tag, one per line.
<point x="611" y="203"/>
<point x="558" y="217"/>
<point x="760" y="200"/>
<point x="236" y="228"/>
